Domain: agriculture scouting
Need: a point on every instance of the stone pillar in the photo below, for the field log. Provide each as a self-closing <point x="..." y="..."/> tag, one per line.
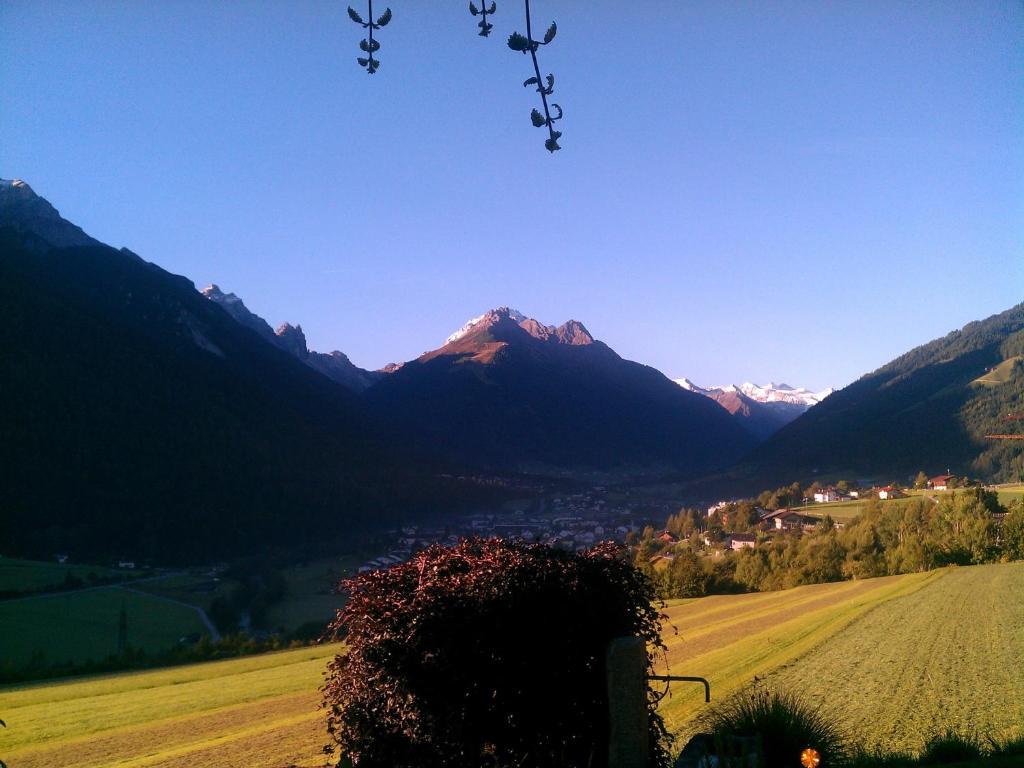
<point x="626" y="669"/>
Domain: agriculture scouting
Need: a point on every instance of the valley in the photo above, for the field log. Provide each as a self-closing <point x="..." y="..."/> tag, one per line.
<point x="347" y="421"/>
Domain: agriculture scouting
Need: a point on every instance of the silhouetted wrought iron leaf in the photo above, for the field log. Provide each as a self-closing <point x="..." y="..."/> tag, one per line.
<point x="493" y="8"/>
<point x="363" y="62"/>
<point x="559" y="116"/>
<point x="550" y="34"/>
<point x="384" y="18"/>
<point x="473" y="9"/>
<point x="363" y="46"/>
<point x="531" y="81"/>
<point x="551" y="145"/>
<point x="518" y="42"/>
<point x="551" y="82"/>
<point x="537" y="118"/>
<point x="485" y="28"/>
<point x="355" y="16"/>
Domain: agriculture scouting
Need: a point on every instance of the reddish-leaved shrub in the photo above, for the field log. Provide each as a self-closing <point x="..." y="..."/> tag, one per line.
<point x="487" y="653"/>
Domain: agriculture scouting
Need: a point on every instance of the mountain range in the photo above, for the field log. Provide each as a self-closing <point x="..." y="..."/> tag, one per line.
<point x="143" y="417"/>
<point x="761" y="410"/>
<point x="508" y="392"/>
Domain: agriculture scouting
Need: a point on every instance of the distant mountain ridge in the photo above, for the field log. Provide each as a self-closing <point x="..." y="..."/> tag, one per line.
<point x="508" y="391"/>
<point x="761" y="409"/>
<point x="334" y="365"/>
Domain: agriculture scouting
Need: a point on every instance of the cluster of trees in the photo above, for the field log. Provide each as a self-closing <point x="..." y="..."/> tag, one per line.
<point x="258" y="586"/>
<point x="964" y="528"/>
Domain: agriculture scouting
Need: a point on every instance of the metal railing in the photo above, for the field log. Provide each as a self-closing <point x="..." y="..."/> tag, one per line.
<point x="685" y="679"/>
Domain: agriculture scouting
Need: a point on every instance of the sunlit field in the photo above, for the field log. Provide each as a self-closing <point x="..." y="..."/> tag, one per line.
<point x="260" y="711"/>
<point x="895" y="659"/>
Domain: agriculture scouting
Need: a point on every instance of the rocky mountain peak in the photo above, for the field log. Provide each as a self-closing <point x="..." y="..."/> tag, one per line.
<point x="23" y="210"/>
<point x="16" y="189"/>
<point x="291" y="338"/>
<point x="573" y="332"/>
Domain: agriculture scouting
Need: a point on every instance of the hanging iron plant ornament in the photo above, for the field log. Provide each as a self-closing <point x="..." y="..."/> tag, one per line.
<point x="368" y="45"/>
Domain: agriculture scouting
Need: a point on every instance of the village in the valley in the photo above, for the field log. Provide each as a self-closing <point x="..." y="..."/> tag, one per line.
<point x="577" y="521"/>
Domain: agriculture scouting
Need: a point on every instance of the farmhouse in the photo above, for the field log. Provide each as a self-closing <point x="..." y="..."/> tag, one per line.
<point x="940" y="482"/>
<point x="827" y="496"/>
<point x="741" y="541"/>
<point x="889" y="492"/>
<point x="785" y="520"/>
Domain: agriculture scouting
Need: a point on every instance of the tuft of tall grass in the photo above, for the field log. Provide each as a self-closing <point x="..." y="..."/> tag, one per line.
<point x="781" y="724"/>
<point x="862" y="757"/>
<point x="950" y="746"/>
<point x="1007" y="747"/>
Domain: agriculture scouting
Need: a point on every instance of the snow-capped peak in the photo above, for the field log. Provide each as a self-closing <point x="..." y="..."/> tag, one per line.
<point x="689" y="385"/>
<point x="216" y="295"/>
<point x="513" y="314"/>
<point x="17" y="186"/>
<point x="763" y="393"/>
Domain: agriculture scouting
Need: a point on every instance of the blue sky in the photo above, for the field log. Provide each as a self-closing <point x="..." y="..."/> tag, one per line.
<point x="788" y="191"/>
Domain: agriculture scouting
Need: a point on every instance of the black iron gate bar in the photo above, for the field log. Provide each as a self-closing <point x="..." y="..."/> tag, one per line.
<point x="684" y="679"/>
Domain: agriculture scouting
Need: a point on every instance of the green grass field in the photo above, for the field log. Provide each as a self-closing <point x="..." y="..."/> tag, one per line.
<point x="894" y="659"/>
<point x="845" y="511"/>
<point x="311" y="595"/>
<point x="84" y="625"/>
<point x="1001" y="374"/>
<point x="1010" y="492"/>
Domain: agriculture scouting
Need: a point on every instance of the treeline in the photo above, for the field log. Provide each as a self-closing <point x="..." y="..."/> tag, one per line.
<point x="71" y="582"/>
<point x="967" y="527"/>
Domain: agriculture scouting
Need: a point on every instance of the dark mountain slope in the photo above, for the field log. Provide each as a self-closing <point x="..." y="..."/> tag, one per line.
<point x="928" y="409"/>
<point x="141" y="420"/>
<point x="510" y="393"/>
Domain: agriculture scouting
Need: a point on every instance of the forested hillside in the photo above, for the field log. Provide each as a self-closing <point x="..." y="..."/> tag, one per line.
<point x="929" y="409"/>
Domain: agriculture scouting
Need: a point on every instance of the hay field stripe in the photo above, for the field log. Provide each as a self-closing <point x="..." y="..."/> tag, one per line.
<point x="737" y="662"/>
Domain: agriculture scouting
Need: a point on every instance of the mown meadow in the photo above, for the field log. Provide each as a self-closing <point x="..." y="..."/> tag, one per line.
<point x="893" y="659"/>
